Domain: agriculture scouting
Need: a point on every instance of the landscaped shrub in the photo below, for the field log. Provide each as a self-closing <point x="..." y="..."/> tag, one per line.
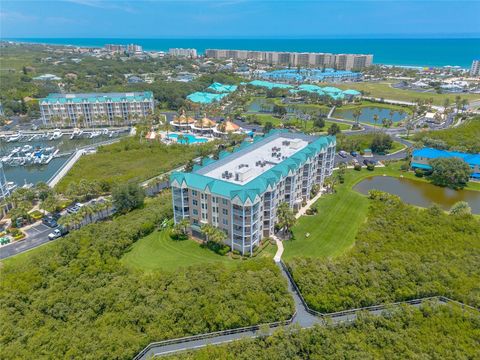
<point x="357" y="167"/>
<point x="370" y="167"/>
<point x="419" y="172"/>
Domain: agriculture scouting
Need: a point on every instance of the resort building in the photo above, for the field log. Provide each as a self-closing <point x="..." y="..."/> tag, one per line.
<point x="95" y="109"/>
<point x="179" y="52"/>
<point x="240" y="192"/>
<point x="475" y="68"/>
<point x="421" y="159"/>
<point x="338" y="61"/>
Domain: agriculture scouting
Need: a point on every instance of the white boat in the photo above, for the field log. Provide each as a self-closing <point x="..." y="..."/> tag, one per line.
<point x="57" y="134"/>
<point x="11" y="186"/>
<point x="76" y="132"/>
<point x="14" y="137"/>
<point x="26" y="148"/>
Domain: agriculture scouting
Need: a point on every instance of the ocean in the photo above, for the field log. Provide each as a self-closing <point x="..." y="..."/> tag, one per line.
<point x="413" y="52"/>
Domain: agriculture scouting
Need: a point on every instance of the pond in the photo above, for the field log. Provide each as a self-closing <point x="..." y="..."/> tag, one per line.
<point x="420" y="193"/>
<point x="368" y="113"/>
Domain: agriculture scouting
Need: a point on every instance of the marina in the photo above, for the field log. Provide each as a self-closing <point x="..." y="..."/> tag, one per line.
<point x="33" y="156"/>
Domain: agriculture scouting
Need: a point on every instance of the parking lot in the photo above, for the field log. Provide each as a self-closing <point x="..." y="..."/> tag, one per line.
<point x="36" y="235"/>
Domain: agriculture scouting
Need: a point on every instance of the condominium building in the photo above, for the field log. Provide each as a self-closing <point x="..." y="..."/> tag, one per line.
<point x="240" y="192"/>
<point x="475" y="68"/>
<point x="339" y="61"/>
<point x="115" y="48"/>
<point x="190" y="53"/>
<point x="95" y="109"/>
<point x="134" y="49"/>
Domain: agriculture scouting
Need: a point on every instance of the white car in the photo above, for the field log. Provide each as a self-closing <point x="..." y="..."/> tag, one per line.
<point x="54" y="234"/>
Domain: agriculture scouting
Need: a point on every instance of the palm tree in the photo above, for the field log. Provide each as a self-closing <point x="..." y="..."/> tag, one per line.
<point x="375" y="120"/>
<point x="286" y="218"/>
<point x="356" y="115"/>
<point x="391" y="113"/>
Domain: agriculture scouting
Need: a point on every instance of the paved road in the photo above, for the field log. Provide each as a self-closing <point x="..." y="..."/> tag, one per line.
<point x="36" y="236"/>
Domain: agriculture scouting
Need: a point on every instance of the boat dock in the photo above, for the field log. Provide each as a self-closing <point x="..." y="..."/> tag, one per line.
<point x="32" y="135"/>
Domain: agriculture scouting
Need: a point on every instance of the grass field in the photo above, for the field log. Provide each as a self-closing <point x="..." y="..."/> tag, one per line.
<point x="130" y="160"/>
<point x="384" y="90"/>
<point x="159" y="252"/>
<point x="333" y="229"/>
<point x="276" y="122"/>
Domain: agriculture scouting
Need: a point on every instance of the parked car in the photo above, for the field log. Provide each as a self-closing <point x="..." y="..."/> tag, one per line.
<point x="342" y="153"/>
<point x="366" y="162"/>
<point x="50" y="221"/>
<point x="57" y="233"/>
<point x="354" y="153"/>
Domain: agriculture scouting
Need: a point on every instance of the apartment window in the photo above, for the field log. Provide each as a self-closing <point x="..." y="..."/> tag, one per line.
<point x="224" y="201"/>
<point x="204" y="206"/>
<point x="195" y="212"/>
<point x="194" y="192"/>
<point x="225" y="211"/>
<point x="225" y="222"/>
<point x="194" y="202"/>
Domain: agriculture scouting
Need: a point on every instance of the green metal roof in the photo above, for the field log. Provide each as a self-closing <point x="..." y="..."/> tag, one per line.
<point x="258" y="185"/>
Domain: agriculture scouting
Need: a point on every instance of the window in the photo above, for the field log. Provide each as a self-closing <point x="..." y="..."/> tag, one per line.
<point x="195" y="212"/>
<point x="225" y="211"/>
<point x="225" y="222"/>
<point x="194" y="192"/>
<point x="224" y="201"/>
<point x="194" y="202"/>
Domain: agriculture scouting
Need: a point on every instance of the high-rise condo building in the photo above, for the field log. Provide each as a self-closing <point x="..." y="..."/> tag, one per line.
<point x="95" y="109"/>
<point x="240" y="192"/>
<point x="191" y="53"/>
<point x="475" y="68"/>
<point x="338" y="61"/>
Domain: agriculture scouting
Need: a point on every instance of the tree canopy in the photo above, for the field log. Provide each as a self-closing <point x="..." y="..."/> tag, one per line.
<point x="450" y="172"/>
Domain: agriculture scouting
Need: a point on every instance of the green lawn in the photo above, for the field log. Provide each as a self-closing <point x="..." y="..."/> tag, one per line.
<point x="276" y="122"/>
<point x="158" y="251"/>
<point x="333" y="229"/>
<point x="384" y="90"/>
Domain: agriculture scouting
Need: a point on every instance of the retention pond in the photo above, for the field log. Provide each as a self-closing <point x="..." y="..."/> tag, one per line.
<point x="420" y="193"/>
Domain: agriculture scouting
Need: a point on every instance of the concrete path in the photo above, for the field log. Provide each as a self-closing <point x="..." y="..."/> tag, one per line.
<point x="310" y="202"/>
<point x="278" y="255"/>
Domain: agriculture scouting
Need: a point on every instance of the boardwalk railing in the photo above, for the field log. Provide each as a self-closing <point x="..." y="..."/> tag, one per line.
<point x="332" y="315"/>
<point x="212" y="335"/>
<point x="323" y="316"/>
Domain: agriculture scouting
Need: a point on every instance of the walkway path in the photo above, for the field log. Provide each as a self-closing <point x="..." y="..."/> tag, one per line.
<point x="278" y="255"/>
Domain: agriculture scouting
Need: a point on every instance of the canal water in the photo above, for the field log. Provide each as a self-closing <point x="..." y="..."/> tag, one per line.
<point x="420" y="193"/>
<point x="368" y="114"/>
<point x="35" y="173"/>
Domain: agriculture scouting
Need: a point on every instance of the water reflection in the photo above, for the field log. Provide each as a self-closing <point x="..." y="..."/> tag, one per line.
<point x="420" y="193"/>
<point x="368" y="114"/>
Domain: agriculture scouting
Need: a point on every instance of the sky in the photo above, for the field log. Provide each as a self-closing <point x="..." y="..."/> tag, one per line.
<point x="239" y="18"/>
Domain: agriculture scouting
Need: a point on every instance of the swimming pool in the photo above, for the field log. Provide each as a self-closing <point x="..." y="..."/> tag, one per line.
<point x="187" y="139"/>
